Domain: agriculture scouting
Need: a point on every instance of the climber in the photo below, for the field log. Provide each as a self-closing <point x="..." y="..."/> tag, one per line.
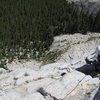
<point x="95" y="60"/>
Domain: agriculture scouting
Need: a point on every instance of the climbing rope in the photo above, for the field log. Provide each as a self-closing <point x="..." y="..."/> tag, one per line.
<point x="74" y="87"/>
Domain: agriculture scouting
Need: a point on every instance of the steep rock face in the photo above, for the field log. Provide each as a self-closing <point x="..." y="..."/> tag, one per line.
<point x="51" y="82"/>
<point x="88" y="5"/>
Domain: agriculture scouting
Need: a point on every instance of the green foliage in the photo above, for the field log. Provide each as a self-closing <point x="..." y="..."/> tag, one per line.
<point x="26" y="74"/>
<point x="15" y="78"/>
<point x="93" y="38"/>
<point x="51" y="56"/>
<point x="28" y="26"/>
<point x="96" y="23"/>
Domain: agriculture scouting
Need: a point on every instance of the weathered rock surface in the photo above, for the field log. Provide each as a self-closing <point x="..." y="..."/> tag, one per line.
<point x="56" y="81"/>
<point x="52" y="82"/>
<point x="75" y="48"/>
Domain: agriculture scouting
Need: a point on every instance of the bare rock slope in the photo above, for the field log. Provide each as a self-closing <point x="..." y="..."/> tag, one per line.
<point x="56" y="81"/>
<point x="75" y="48"/>
<point x="52" y="82"/>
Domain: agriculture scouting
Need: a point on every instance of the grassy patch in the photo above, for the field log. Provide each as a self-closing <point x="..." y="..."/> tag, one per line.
<point x="27" y="81"/>
<point x="51" y="57"/>
<point x="15" y="78"/>
<point x="93" y="38"/>
<point x="26" y="74"/>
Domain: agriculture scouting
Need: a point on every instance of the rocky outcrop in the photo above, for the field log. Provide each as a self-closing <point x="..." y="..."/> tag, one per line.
<point x="51" y="82"/>
<point x="57" y="81"/>
<point x="75" y="48"/>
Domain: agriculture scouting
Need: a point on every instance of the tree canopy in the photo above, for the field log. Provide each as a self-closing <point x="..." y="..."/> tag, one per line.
<point x="30" y="25"/>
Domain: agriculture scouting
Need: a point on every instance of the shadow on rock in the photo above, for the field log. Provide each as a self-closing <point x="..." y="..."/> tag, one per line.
<point x="97" y="95"/>
<point x="88" y="69"/>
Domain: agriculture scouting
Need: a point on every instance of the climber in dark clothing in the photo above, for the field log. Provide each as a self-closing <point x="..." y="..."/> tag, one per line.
<point x="92" y="66"/>
<point x="95" y="60"/>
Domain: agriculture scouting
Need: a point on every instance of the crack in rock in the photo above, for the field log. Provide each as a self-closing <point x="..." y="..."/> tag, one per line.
<point x="45" y="94"/>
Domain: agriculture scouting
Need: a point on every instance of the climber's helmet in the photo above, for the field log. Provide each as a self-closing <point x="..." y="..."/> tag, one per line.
<point x="98" y="50"/>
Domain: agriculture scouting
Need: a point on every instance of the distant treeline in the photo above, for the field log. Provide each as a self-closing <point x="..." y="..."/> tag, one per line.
<point x="32" y="24"/>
